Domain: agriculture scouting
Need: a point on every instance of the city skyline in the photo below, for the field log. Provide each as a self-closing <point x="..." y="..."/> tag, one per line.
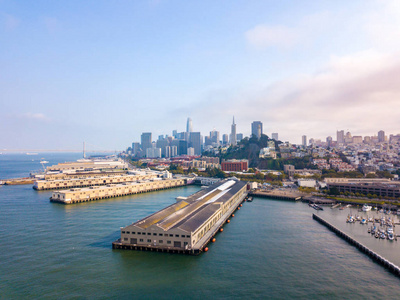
<point x="106" y="73"/>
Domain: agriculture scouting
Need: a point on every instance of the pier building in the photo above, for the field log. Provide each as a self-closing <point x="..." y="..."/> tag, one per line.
<point x="91" y="181"/>
<point x="187" y="225"/>
<point x="115" y="190"/>
<point x="89" y="165"/>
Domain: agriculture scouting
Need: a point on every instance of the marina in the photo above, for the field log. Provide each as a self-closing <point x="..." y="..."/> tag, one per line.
<point x="376" y="257"/>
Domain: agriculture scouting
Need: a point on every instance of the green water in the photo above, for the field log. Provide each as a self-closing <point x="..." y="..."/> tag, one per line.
<point x="270" y="250"/>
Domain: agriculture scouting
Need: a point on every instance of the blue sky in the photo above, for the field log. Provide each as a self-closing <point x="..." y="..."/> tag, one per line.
<point x="105" y="71"/>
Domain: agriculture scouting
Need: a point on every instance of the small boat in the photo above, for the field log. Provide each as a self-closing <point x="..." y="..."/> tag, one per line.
<point x="366" y="207"/>
<point x="250" y="199"/>
<point x="376" y="234"/>
<point x="350" y="219"/>
<point x="373" y="230"/>
<point x="363" y="221"/>
<point x="341" y="208"/>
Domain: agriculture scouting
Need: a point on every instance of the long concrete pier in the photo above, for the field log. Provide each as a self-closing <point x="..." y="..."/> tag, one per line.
<point x="89" y="181"/>
<point x="275" y="194"/>
<point x="114" y="190"/>
<point x="376" y="257"/>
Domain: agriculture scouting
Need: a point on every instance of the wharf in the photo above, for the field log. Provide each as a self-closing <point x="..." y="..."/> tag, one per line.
<point x="318" y="200"/>
<point x="114" y="190"/>
<point x="18" y="181"/>
<point x="376" y="257"/>
<point x="199" y="247"/>
<point x="277" y="194"/>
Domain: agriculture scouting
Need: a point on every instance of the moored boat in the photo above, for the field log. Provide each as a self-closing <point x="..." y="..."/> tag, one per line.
<point x="366" y="207"/>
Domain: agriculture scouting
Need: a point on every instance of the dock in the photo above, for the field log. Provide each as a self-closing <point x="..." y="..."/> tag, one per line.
<point x="277" y="194"/>
<point x="187" y="226"/>
<point x="18" y="181"/>
<point x="376" y="257"/>
<point x="79" y="195"/>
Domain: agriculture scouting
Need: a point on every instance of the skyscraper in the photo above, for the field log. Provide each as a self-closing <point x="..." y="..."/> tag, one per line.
<point x="257" y="129"/>
<point x="145" y="141"/>
<point x="340" y="136"/>
<point x="195" y="142"/>
<point x="233" y="133"/>
<point x="189" y="126"/>
<point x="225" y="139"/>
<point x="214" y="135"/>
<point x="304" y="140"/>
<point x="381" y="136"/>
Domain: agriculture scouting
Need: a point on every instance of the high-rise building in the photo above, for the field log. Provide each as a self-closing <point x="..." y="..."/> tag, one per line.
<point x="189" y="126"/>
<point x="175" y="133"/>
<point x="195" y="142"/>
<point x="214" y="135"/>
<point x="381" y="136"/>
<point x="239" y="137"/>
<point x="190" y="151"/>
<point x="257" y="129"/>
<point x="182" y="147"/>
<point x="340" y="136"/>
<point x="145" y="141"/>
<point x="225" y="139"/>
<point x="329" y="141"/>
<point x="275" y="136"/>
<point x="233" y="133"/>
<point x="304" y="140"/>
<point x="135" y="148"/>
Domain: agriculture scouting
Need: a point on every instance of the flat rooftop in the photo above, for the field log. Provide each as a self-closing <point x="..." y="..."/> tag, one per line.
<point x="192" y="212"/>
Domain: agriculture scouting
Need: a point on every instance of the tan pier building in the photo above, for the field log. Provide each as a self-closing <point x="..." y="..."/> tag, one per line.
<point x="187" y="225"/>
<point x="114" y="190"/>
<point x="90" y="181"/>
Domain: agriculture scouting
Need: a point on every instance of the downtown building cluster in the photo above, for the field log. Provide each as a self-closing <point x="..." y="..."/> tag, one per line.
<point x="189" y="142"/>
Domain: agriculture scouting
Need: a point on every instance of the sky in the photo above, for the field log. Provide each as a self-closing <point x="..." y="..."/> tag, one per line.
<point x="103" y="72"/>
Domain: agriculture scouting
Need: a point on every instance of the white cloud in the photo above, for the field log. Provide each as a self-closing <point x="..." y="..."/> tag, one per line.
<point x="359" y="92"/>
<point x="281" y="36"/>
<point x="35" y="116"/>
<point x="263" y="36"/>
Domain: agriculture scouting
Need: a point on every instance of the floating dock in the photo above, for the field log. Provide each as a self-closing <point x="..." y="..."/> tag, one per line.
<point x="114" y="190"/>
<point x="376" y="257"/>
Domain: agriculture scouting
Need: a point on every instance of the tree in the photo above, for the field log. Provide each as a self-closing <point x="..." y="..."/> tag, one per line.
<point x="333" y="191"/>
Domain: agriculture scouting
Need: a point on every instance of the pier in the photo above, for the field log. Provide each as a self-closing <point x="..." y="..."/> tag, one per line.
<point x="376" y="257"/>
<point x="114" y="190"/>
<point x="277" y="194"/>
<point x="188" y="225"/>
<point x="18" y="181"/>
<point x="89" y="181"/>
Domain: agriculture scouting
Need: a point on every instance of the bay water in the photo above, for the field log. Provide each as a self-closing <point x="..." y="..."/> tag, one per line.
<point x="270" y="250"/>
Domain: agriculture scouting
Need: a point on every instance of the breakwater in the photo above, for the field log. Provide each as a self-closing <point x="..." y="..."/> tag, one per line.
<point x="376" y="257"/>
